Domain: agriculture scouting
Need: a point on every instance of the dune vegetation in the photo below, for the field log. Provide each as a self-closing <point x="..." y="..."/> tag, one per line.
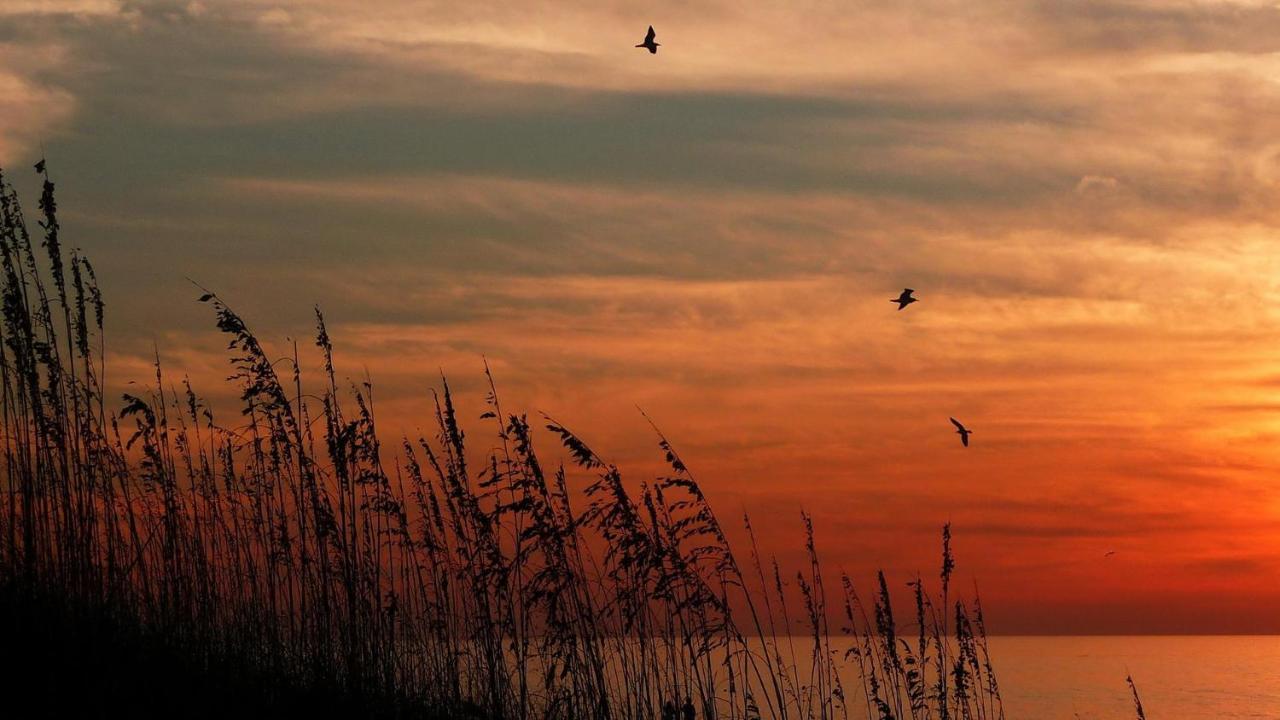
<point x="292" y="556"/>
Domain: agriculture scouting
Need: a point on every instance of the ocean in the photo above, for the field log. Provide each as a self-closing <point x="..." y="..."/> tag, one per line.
<point x="1190" y="677"/>
<point x="1178" y="677"/>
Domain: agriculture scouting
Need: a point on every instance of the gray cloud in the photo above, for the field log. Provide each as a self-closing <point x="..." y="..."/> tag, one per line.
<point x="1079" y="192"/>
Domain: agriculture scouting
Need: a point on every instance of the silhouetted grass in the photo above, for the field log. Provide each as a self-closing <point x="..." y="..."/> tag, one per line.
<point x="1137" y="701"/>
<point x="287" y="559"/>
<point x="70" y="660"/>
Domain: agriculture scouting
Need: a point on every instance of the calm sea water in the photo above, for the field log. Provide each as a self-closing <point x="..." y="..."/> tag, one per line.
<point x="1193" y="677"/>
<point x="1179" y="678"/>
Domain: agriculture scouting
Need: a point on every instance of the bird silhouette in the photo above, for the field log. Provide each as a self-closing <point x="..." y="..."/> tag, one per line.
<point x="648" y="43"/>
<point x="40" y="166"/>
<point x="904" y="299"/>
<point x="962" y="431"/>
<point x="1109" y="553"/>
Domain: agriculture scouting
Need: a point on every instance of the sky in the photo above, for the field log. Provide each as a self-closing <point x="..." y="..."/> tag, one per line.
<point x="1083" y="196"/>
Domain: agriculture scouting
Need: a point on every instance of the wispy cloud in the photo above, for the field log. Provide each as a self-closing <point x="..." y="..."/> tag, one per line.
<point x="1082" y="195"/>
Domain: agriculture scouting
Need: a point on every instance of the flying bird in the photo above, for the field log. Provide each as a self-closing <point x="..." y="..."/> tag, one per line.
<point x="962" y="431"/>
<point x="904" y="299"/>
<point x="649" y="44"/>
<point x="1109" y="553"/>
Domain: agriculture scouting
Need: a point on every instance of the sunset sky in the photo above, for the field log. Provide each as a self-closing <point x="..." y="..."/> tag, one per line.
<point x="1085" y="196"/>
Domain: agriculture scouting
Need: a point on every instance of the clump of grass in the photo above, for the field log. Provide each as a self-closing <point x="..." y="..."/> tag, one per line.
<point x="1137" y="701"/>
<point x="419" y="573"/>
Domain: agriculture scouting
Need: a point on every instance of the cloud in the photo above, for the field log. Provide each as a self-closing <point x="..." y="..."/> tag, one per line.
<point x="1111" y="27"/>
<point x="1233" y="566"/>
<point x="1096" y="184"/>
<point x="1083" y="198"/>
<point x="75" y="8"/>
<point x="32" y="106"/>
<point x="947" y="129"/>
<point x="27" y="113"/>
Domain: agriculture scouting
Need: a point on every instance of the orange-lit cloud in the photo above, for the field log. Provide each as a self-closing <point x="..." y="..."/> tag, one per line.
<point x="1082" y="195"/>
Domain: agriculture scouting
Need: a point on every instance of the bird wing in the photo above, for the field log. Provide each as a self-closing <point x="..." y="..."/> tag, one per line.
<point x="956" y="422"/>
<point x="964" y="439"/>
<point x="649" y="38"/>
<point x="907" y="291"/>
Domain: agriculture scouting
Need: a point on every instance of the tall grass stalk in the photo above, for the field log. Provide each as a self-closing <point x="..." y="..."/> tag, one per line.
<point x="418" y="572"/>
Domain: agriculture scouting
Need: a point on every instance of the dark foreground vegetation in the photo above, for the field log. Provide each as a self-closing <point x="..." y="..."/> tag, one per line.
<point x="70" y="660"/>
<point x="156" y="559"/>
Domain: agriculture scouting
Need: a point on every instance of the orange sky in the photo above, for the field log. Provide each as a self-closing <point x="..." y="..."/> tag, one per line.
<point x="1082" y="194"/>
